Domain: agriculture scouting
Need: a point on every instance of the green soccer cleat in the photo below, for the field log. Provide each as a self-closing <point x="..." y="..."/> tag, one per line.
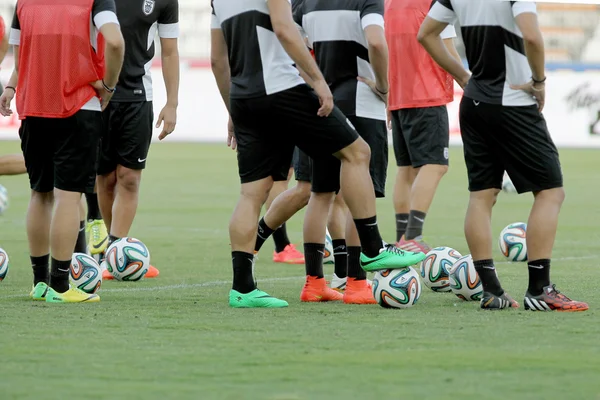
<point x="39" y="291"/>
<point x="73" y="295"/>
<point x="254" y="299"/>
<point x="390" y="257"/>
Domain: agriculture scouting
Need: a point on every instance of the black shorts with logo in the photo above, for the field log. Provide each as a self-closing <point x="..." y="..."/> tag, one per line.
<point x="374" y="132"/>
<point x="421" y="136"/>
<point x="62" y="152"/>
<point x="499" y="138"/>
<point x="268" y="128"/>
<point x="126" y="136"/>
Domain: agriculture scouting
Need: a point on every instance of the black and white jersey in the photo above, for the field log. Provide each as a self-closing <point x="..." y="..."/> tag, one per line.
<point x="259" y="64"/>
<point x="335" y="31"/>
<point x="140" y="20"/>
<point x="494" y="47"/>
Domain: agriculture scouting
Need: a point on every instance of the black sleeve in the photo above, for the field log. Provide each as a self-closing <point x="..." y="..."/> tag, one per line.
<point x="371" y="7"/>
<point x="297" y="11"/>
<point x="446" y="3"/>
<point x="103" y="5"/>
<point x="15" y="22"/>
<point x="170" y="13"/>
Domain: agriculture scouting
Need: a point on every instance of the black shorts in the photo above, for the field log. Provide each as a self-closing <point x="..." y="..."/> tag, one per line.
<point x="126" y="136"/>
<point x="421" y="136"/>
<point x="513" y="139"/>
<point x="374" y="132"/>
<point x="62" y="152"/>
<point x="267" y="128"/>
<point x="302" y="166"/>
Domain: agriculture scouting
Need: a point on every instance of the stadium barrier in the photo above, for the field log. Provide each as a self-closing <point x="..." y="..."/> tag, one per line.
<point x="572" y="108"/>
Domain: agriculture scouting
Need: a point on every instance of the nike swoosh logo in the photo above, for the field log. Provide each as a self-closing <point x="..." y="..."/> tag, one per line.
<point x="322" y="252"/>
<point x="419" y="219"/>
<point x="100" y="244"/>
<point x="403" y="221"/>
<point x="140" y="160"/>
<point x="368" y="262"/>
<point x="476" y="103"/>
<point x="536" y="266"/>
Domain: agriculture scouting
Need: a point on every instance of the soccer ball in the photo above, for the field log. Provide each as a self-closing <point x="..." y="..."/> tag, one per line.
<point x="397" y="288"/>
<point x="3" y="199"/>
<point x="3" y="264"/>
<point x="435" y="267"/>
<point x="513" y="242"/>
<point x="85" y="273"/>
<point x="328" y="257"/>
<point x="128" y="259"/>
<point x="464" y="281"/>
<point x="507" y="185"/>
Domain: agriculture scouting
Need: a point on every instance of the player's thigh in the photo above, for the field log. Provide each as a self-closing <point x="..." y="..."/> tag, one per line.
<point x="302" y="166"/>
<point x="530" y="156"/>
<point x="37" y="144"/>
<point x="400" y="146"/>
<point x="482" y="158"/>
<point x="109" y="139"/>
<point x="76" y="152"/>
<point x="296" y="112"/>
<point x="262" y="149"/>
<point x="134" y="134"/>
<point x="427" y="133"/>
<point x="374" y="132"/>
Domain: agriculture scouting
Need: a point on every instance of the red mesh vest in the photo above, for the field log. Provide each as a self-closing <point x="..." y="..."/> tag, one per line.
<point x="56" y="59"/>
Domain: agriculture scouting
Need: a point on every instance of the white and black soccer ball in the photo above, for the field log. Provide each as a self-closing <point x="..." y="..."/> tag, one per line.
<point x="328" y="257"/>
<point x="507" y="185"/>
<point x="85" y="273"/>
<point x="397" y="288"/>
<point x="436" y="266"/>
<point x="3" y="199"/>
<point x="127" y="259"/>
<point x="464" y="280"/>
<point x="513" y="242"/>
<point x="3" y="264"/>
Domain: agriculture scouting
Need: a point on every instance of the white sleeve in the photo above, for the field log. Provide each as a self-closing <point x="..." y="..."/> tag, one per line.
<point x="372" y="19"/>
<point x="168" y="31"/>
<point x="15" y="37"/>
<point x="449" y="32"/>
<point x="214" y="22"/>
<point x="520" y="7"/>
<point x="105" y="17"/>
<point x="441" y="13"/>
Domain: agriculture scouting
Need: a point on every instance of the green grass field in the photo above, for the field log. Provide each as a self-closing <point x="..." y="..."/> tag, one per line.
<point x="176" y="338"/>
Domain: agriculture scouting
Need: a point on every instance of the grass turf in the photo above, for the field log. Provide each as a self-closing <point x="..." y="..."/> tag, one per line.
<point x="175" y="337"/>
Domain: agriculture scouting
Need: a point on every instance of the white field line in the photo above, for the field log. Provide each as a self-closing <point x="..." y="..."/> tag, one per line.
<point x="228" y="282"/>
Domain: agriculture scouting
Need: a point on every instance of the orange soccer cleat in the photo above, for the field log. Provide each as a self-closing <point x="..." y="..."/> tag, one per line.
<point x="289" y="255"/>
<point x="358" y="292"/>
<point x="316" y="290"/>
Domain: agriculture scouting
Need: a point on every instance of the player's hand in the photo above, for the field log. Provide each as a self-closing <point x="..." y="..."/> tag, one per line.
<point x="103" y="94"/>
<point x="231" y="142"/>
<point x="168" y="117"/>
<point x="389" y="119"/>
<point x="382" y="94"/>
<point x="325" y="97"/>
<point x="464" y="80"/>
<point x="536" y="90"/>
<point x="5" y="101"/>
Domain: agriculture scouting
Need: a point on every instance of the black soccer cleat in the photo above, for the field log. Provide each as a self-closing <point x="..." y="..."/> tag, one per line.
<point x="490" y="301"/>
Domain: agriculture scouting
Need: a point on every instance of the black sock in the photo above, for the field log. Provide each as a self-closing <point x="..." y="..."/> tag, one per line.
<point x="80" y="244"/>
<point x="280" y="237"/>
<point x="416" y="219"/>
<point x="243" y="276"/>
<point x="487" y="274"/>
<point x="112" y="238"/>
<point x="59" y="275"/>
<point x="354" y="269"/>
<point x="313" y="257"/>
<point x="539" y="276"/>
<point x="40" y="269"/>
<point x="263" y="234"/>
<point x="340" y="255"/>
<point x="401" y="224"/>
<point x="370" y="239"/>
<point x="93" y="209"/>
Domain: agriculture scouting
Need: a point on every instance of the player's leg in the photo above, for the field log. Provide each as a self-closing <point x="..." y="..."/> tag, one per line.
<point x="75" y="155"/>
<point x="106" y="180"/>
<point x="426" y="132"/>
<point x="262" y="158"/>
<point x="484" y="170"/>
<point x="533" y="165"/>
<point x="336" y="225"/>
<point x="280" y="236"/>
<point x="12" y="164"/>
<point x="405" y="176"/>
<point x="95" y="226"/>
<point x="80" y="243"/>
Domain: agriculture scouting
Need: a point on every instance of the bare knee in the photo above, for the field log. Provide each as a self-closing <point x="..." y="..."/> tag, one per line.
<point x="358" y="152"/>
<point x="42" y="198"/>
<point x="556" y="196"/>
<point x="484" y="198"/>
<point x="129" y="179"/>
<point x="107" y="181"/>
<point x="256" y="192"/>
<point x="302" y="194"/>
